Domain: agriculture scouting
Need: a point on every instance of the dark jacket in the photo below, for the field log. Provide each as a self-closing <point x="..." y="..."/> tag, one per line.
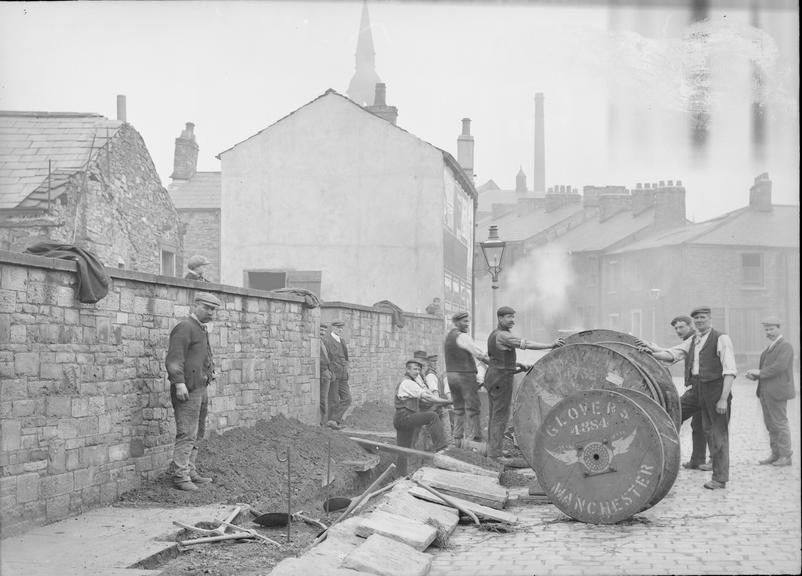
<point x="189" y="355"/>
<point x="338" y="356"/>
<point x="776" y="380"/>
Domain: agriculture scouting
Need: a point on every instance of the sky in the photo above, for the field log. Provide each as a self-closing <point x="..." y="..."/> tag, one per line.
<point x="234" y="68"/>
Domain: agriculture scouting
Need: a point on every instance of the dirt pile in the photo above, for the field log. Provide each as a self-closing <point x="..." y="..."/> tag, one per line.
<point x="374" y="416"/>
<point x="245" y="468"/>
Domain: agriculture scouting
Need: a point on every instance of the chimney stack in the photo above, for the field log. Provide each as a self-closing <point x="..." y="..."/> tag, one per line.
<point x="185" y="161"/>
<point x="613" y="199"/>
<point x="669" y="205"/>
<point x="465" y="148"/>
<point x="380" y="107"/>
<point x="760" y="193"/>
<point x="539" y="175"/>
<point x="121" y="115"/>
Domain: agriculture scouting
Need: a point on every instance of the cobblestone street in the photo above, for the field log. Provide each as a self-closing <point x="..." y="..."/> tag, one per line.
<point x="752" y="527"/>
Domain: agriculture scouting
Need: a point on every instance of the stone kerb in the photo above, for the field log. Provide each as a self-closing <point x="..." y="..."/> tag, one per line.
<point x="378" y="349"/>
<point x="84" y="399"/>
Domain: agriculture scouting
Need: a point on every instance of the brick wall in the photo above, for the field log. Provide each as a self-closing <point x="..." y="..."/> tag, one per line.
<point x="378" y="351"/>
<point x="84" y="400"/>
<point x="202" y="237"/>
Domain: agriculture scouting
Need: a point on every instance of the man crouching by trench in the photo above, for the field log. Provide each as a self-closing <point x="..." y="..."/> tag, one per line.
<point x="412" y="401"/>
<point x="190" y="369"/>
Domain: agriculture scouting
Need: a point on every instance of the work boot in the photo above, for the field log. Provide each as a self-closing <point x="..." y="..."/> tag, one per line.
<point x="693" y="465"/>
<point x="198" y="479"/>
<point x="706" y="466"/>
<point x="715" y="485"/>
<point x="333" y="425"/>
<point x="770" y="460"/>
<point x="185" y="485"/>
<point x="782" y="461"/>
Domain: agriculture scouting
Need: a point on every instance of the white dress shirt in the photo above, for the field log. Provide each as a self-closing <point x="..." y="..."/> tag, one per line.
<point x="724" y="351"/>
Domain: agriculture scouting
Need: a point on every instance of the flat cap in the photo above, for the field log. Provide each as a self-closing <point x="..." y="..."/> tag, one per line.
<point x="338" y="323"/>
<point x="771" y="321"/>
<point x="504" y="310"/>
<point x="700" y="310"/>
<point x="420" y="354"/>
<point x="686" y="319"/>
<point x="433" y="357"/>
<point x="459" y="316"/>
<point x="196" y="261"/>
<point x="208" y="299"/>
<point x="415" y="361"/>
<point x="322" y="325"/>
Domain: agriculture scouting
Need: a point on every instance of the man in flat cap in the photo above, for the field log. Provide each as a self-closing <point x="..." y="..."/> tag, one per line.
<point x="501" y="346"/>
<point x="710" y="369"/>
<point x="775" y="387"/>
<point x="461" y="354"/>
<point x="413" y="404"/>
<point x="190" y="369"/>
<point x="325" y="375"/>
<point x="339" y="391"/>
<point x="197" y="266"/>
<point x="683" y="326"/>
<point x="434" y="383"/>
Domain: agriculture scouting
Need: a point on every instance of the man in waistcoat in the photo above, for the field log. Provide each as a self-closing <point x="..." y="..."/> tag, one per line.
<point x="501" y="346"/>
<point x="413" y="403"/>
<point x="339" y="391"/>
<point x="683" y="326"/>
<point x="461" y="354"/>
<point x="710" y="368"/>
<point x="325" y="375"/>
<point x="190" y="369"/>
<point x="775" y="387"/>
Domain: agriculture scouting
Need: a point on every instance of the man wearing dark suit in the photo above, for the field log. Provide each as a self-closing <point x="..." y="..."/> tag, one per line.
<point x="190" y="368"/>
<point x="325" y="375"/>
<point x="339" y="391"/>
<point x="775" y="386"/>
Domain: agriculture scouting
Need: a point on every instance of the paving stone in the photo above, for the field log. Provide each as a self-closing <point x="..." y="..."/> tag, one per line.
<point x="386" y="557"/>
<point x="411" y="532"/>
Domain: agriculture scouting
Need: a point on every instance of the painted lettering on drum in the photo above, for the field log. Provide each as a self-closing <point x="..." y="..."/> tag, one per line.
<point x="589" y="424"/>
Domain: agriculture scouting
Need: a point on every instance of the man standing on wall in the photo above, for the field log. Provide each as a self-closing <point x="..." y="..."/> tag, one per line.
<point x="775" y="387"/>
<point x="683" y="326"/>
<point x="340" y="391"/>
<point x="501" y="345"/>
<point x="325" y="375"/>
<point x="460" y="352"/>
<point x="190" y="369"/>
<point x="710" y="369"/>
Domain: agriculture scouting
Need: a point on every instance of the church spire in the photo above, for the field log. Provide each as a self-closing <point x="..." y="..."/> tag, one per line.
<point x="363" y="83"/>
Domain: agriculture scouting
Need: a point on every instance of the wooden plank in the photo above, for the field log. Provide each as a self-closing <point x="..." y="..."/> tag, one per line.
<point x="478" y="509"/>
<point x="479" y="489"/>
<point x="448" y="463"/>
<point x="387" y="557"/>
<point x="404" y="504"/>
<point x="411" y="532"/>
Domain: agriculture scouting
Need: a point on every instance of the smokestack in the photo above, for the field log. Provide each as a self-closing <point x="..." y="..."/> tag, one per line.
<point x="380" y="107"/>
<point x="539" y="175"/>
<point x="121" y="108"/>
<point x="465" y="148"/>
<point x="185" y="161"/>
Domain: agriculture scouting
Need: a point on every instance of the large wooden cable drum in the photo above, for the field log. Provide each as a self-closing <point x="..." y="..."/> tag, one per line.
<point x="599" y="456"/>
<point x="562" y="373"/>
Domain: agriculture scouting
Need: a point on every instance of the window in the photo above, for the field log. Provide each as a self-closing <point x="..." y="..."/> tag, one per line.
<point x="612" y="321"/>
<point x="613" y="276"/>
<point x="752" y="269"/>
<point x="168" y="263"/>
<point x="262" y="280"/>
<point x="275" y="279"/>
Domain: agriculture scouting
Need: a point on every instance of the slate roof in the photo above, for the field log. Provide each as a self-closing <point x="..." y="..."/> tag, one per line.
<point x="595" y="234"/>
<point x="775" y="228"/>
<point x="202" y="191"/>
<point x="29" y="139"/>
<point x="513" y="227"/>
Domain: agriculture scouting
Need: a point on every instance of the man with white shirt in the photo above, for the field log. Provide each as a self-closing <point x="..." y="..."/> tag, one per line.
<point x="460" y="352"/>
<point x="775" y="387"/>
<point x="710" y="369"/>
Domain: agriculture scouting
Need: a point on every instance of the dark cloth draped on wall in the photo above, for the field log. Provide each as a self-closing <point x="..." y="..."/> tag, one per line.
<point x="93" y="283"/>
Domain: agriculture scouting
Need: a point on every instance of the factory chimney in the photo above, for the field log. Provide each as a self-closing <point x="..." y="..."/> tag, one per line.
<point x="539" y="174"/>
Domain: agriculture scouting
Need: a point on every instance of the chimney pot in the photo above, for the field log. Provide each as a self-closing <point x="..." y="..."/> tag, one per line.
<point x="670" y="182"/>
<point x="639" y="185"/>
<point x="465" y="148"/>
<point x="466" y="126"/>
<point x="679" y="182"/>
<point x="185" y="160"/>
<point x="121" y="113"/>
<point x="662" y="184"/>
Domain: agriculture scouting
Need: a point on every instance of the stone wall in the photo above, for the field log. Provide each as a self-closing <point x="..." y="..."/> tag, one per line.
<point x="85" y="412"/>
<point x="118" y="209"/>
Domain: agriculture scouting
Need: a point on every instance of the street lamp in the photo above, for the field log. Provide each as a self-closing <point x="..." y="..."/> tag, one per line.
<point x="493" y="251"/>
<point x="654" y="296"/>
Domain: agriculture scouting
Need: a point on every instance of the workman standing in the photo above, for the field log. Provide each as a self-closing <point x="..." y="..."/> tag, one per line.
<point x="710" y="369"/>
<point x="413" y="403"/>
<point x="190" y="369"/>
<point x="501" y="345"/>
<point x="435" y="384"/>
<point x="775" y="387"/>
<point x="325" y="375"/>
<point x="197" y="268"/>
<point x="461" y="354"/>
<point x="339" y="391"/>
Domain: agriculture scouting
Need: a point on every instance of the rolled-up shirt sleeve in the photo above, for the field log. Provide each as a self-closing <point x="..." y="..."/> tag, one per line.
<point x="409" y="389"/>
<point x="681" y="350"/>
<point x="726" y="353"/>
<point x="466" y="343"/>
<point x="506" y="341"/>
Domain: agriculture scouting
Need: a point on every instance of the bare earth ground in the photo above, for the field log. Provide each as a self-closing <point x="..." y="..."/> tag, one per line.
<point x="245" y="468"/>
